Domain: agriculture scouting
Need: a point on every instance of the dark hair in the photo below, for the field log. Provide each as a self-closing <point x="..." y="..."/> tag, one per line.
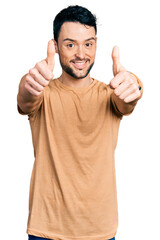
<point x="73" y="14"/>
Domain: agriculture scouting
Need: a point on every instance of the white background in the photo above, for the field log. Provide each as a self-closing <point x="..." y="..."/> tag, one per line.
<point x="26" y="27"/>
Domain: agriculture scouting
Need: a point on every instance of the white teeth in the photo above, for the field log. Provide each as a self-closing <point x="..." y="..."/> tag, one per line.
<point x="80" y="63"/>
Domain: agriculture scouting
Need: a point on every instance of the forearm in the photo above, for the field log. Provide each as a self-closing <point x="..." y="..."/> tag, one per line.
<point x="121" y="106"/>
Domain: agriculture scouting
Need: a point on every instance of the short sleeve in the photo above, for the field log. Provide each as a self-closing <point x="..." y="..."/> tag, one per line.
<point x="32" y="113"/>
<point x="20" y="110"/>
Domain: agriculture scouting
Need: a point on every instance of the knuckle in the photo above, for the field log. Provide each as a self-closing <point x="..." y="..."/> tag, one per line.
<point x="36" y="93"/>
<point x="37" y="65"/>
<point x="115" y="91"/>
<point x="32" y="71"/>
<point x="129" y="81"/>
<point x="121" y="97"/>
<point x="127" y="84"/>
<point x="26" y="85"/>
<point x="134" y="79"/>
<point x="126" y="100"/>
<point x="113" y="83"/>
<point x="27" y="78"/>
<point x="33" y="92"/>
<point x="45" y="83"/>
<point x="40" y="88"/>
<point x="134" y="87"/>
<point x="49" y="75"/>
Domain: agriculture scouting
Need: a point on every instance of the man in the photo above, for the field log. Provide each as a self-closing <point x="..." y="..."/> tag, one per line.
<point x="74" y="122"/>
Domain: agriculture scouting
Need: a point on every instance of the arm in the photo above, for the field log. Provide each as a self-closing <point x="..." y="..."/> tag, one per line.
<point x="27" y="101"/>
<point x="125" y="100"/>
<point x="30" y="94"/>
<point x="127" y="87"/>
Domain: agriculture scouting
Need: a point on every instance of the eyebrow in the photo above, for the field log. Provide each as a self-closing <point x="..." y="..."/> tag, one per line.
<point x="72" y="40"/>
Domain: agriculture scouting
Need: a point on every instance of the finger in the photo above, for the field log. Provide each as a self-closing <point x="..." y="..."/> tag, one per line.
<point x="115" y="58"/>
<point x="121" y="88"/>
<point x="50" y="55"/>
<point x="117" y="80"/>
<point x="35" y="85"/>
<point x="31" y="90"/>
<point x="117" y="66"/>
<point x="127" y="92"/>
<point x="44" y="70"/>
<point x="132" y="96"/>
<point x="127" y="83"/>
<point x="34" y="73"/>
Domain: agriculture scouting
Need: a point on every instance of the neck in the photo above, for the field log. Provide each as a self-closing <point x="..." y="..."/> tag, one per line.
<point x="74" y="82"/>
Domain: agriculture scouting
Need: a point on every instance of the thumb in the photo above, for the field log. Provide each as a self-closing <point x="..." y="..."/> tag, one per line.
<point x="50" y="55"/>
<point x="117" y="66"/>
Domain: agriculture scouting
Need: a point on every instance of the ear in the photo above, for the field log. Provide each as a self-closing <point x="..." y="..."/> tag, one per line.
<point x="56" y="46"/>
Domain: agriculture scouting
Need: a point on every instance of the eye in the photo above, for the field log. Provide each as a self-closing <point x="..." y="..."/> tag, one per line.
<point x="70" y="45"/>
<point x="88" y="44"/>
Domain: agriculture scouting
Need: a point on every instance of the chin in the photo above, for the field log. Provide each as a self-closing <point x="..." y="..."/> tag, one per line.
<point x="75" y="75"/>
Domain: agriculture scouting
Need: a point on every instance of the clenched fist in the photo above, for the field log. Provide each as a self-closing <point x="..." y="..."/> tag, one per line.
<point x="125" y="85"/>
<point x="31" y="86"/>
<point x="39" y="76"/>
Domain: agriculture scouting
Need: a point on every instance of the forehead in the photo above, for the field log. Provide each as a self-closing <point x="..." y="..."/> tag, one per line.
<point x="76" y="31"/>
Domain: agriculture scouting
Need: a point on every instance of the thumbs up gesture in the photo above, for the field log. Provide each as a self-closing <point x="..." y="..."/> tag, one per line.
<point x="125" y="85"/>
<point x="39" y="76"/>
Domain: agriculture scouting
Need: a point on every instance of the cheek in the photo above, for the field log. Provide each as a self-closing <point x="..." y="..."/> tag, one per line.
<point x="92" y="55"/>
<point x="65" y="55"/>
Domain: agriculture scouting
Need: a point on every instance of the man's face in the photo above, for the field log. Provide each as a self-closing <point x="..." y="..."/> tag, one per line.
<point x="77" y="49"/>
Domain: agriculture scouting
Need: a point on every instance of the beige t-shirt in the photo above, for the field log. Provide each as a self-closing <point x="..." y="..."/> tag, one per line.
<point x="73" y="184"/>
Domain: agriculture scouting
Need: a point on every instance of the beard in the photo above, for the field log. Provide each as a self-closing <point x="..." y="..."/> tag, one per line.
<point x="71" y="72"/>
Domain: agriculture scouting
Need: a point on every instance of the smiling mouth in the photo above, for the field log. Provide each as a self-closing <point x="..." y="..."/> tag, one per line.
<point x="80" y="64"/>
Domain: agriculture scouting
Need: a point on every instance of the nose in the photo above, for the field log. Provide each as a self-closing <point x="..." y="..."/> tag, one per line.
<point x="80" y="53"/>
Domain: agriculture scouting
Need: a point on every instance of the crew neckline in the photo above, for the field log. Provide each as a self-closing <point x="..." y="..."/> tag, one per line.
<point x="77" y="89"/>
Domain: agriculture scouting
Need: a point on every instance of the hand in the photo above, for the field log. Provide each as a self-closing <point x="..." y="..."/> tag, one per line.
<point x="125" y="84"/>
<point x="39" y="76"/>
